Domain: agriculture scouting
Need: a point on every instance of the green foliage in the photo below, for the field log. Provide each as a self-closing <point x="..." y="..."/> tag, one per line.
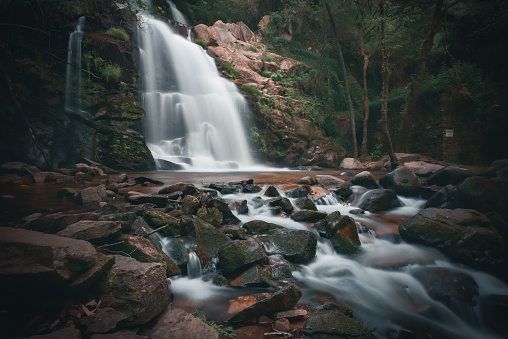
<point x="266" y="74"/>
<point x="201" y="43"/>
<point x="111" y="72"/>
<point x="277" y="76"/>
<point x="229" y="71"/>
<point x="266" y="58"/>
<point x="251" y="90"/>
<point x="117" y="33"/>
<point x="224" y="332"/>
<point x="377" y="153"/>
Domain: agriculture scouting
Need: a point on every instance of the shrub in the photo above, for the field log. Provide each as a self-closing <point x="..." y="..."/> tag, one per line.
<point x="111" y="72"/>
<point x="117" y="33"/>
<point x="229" y="71"/>
<point x="266" y="58"/>
<point x="251" y="90"/>
<point x="201" y="43"/>
<point x="266" y="74"/>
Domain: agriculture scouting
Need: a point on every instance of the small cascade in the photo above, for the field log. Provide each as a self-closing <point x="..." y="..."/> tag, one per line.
<point x="73" y="76"/>
<point x="193" y="115"/>
<point x="194" y="269"/>
<point x="176" y="14"/>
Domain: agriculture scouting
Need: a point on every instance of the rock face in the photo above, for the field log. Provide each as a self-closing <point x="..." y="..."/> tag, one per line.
<point x="460" y="234"/>
<point x="140" y="290"/>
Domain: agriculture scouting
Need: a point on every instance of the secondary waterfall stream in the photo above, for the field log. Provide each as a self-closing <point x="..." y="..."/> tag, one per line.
<point x="73" y="73"/>
<point x="193" y="115"/>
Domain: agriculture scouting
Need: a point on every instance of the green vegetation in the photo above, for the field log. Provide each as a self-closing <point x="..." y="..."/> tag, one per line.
<point x="224" y="332"/>
<point x="251" y="90"/>
<point x="229" y="71"/>
<point x="201" y="43"/>
<point x="111" y="72"/>
<point x="118" y="33"/>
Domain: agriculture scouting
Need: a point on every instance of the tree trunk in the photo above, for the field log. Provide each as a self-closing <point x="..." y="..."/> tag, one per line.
<point x="414" y="94"/>
<point x="384" y="93"/>
<point x="346" y="83"/>
<point x="365" y="96"/>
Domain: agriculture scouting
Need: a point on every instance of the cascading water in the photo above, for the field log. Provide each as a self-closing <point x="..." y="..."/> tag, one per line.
<point x="177" y="15"/>
<point x="193" y="115"/>
<point x="73" y="76"/>
<point x="194" y="269"/>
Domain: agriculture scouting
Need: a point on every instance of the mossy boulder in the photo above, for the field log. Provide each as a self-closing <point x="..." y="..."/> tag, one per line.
<point x="378" y="200"/>
<point x="328" y="323"/>
<point x="283" y="203"/>
<point x="222" y="206"/>
<point x="190" y="205"/>
<point x="308" y="216"/>
<point x="297" y="246"/>
<point x="343" y="244"/>
<point x="157" y="219"/>
<point x="260" y="227"/>
<point x="208" y="241"/>
<point x="305" y="204"/>
<point x="211" y="216"/>
<point x="237" y="256"/>
<point x="256" y="276"/>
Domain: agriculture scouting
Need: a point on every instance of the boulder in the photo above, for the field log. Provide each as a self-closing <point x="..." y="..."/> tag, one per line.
<point x="208" y="241"/>
<point x="306" y="181"/>
<point x="242" y="207"/>
<point x="403" y="181"/>
<point x="447" y="197"/>
<point x="91" y="195"/>
<point x="139" y="290"/>
<point x="104" y="321"/>
<point x="237" y="256"/>
<point x="190" y="205"/>
<point x="378" y="200"/>
<point x="176" y="323"/>
<point x="55" y="222"/>
<point x="96" y="232"/>
<point x="284" y="299"/>
<point x="211" y="216"/>
<point x="222" y="206"/>
<point x="84" y="281"/>
<point x="234" y="232"/>
<point x="138" y="198"/>
<point x="158" y="219"/>
<point x="305" y="204"/>
<point x="28" y="256"/>
<point x="336" y="324"/>
<point x="423" y="169"/>
<point x="272" y="192"/>
<point x="448" y="175"/>
<point x="365" y="179"/>
<point x="297" y="246"/>
<point x="460" y="234"/>
<point x="484" y="195"/>
<point x="143" y="250"/>
<point x="308" y="216"/>
<point x="342" y="232"/>
<point x="260" y="227"/>
<point x="299" y="192"/>
<point x="283" y="203"/>
<point x="256" y="276"/>
<point x="351" y="164"/>
<point x="185" y="189"/>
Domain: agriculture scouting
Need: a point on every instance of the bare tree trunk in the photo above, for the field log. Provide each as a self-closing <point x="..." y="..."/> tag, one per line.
<point x="384" y="93"/>
<point x="365" y="95"/>
<point x="414" y="94"/>
<point x="346" y="83"/>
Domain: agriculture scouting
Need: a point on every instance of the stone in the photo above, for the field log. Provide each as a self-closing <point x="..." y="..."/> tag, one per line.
<point x="208" y="241"/>
<point x="176" y="323"/>
<point x="423" y="169"/>
<point x="243" y="207"/>
<point x="351" y="164"/>
<point x="91" y="195"/>
<point x="271" y="191"/>
<point x="211" y="216"/>
<point x="96" y="232"/>
<point x="447" y="197"/>
<point x="335" y="323"/>
<point x="93" y="275"/>
<point x="403" y="181"/>
<point x="55" y="222"/>
<point x="297" y="246"/>
<point x="139" y="290"/>
<point x="105" y="320"/>
<point x="158" y="219"/>
<point x="308" y="216"/>
<point x="256" y="276"/>
<point x="284" y="299"/>
<point x="138" y="198"/>
<point x="306" y="181"/>
<point x="69" y="332"/>
<point x="260" y="227"/>
<point x="185" y="189"/>
<point x="299" y="192"/>
<point x="284" y="203"/>
<point x="365" y="179"/>
<point x="484" y="194"/>
<point x="378" y="200"/>
<point x="234" y="232"/>
<point x="305" y="204"/>
<point x="237" y="256"/>
<point x="28" y="256"/>
<point x="222" y="206"/>
<point x="448" y="175"/>
<point x="123" y="334"/>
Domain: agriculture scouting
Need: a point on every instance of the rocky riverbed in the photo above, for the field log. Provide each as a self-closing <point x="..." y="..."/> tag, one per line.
<point x="98" y="257"/>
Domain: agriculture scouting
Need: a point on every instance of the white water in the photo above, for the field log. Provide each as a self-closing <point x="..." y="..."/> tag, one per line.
<point x="73" y="74"/>
<point x="177" y="15"/>
<point x="377" y="282"/>
<point x="193" y="115"/>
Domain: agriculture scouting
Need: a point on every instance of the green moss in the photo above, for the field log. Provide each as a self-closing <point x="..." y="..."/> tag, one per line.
<point x="117" y="33"/>
<point x="229" y="71"/>
<point x="251" y="90"/>
<point x="201" y="43"/>
<point x="111" y="72"/>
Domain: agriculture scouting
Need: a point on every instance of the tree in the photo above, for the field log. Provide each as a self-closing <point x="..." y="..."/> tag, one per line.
<point x="346" y="83"/>
<point x="385" y="70"/>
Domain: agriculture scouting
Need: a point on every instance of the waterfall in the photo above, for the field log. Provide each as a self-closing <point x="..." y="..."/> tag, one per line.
<point x="73" y="76"/>
<point x="193" y="115"/>
<point x="177" y="15"/>
<point x="194" y="269"/>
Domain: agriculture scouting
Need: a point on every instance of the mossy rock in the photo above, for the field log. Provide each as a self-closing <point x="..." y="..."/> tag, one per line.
<point x="297" y="246"/>
<point x="208" y="241"/>
<point x="211" y="216"/>
<point x="343" y="244"/>
<point x="260" y="227"/>
<point x="238" y="255"/>
<point x="157" y="219"/>
<point x="190" y="205"/>
<point x="308" y="216"/>
<point x="328" y="323"/>
<point x="305" y="204"/>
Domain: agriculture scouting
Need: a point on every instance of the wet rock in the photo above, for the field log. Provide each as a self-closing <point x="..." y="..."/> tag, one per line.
<point x="175" y="248"/>
<point x="222" y="206"/>
<point x="91" y="195"/>
<point x="308" y="216"/>
<point x="403" y="181"/>
<point x="297" y="246"/>
<point x="334" y="323"/>
<point x="448" y="285"/>
<point x="329" y="181"/>
<point x="176" y="323"/>
<point x="271" y="191"/>
<point x="211" y="216"/>
<point x="243" y="207"/>
<point x="260" y="227"/>
<point x="28" y="256"/>
<point x="447" y="197"/>
<point x="350" y="163"/>
<point x="460" y="234"/>
<point x="378" y="200"/>
<point x="143" y="250"/>
<point x="448" y="175"/>
<point x="158" y="219"/>
<point x="238" y="255"/>
<point x="283" y="203"/>
<point x="139" y="290"/>
<point x="96" y="232"/>
<point x="91" y="276"/>
<point x="145" y="181"/>
<point x="124" y="334"/>
<point x="256" y="276"/>
<point x="306" y="181"/>
<point x="138" y="198"/>
<point x="282" y="270"/>
<point x="190" y="205"/>
<point x="208" y="241"/>
<point x="69" y="332"/>
<point x="55" y="222"/>
<point x="305" y="204"/>
<point x="186" y="189"/>
<point x="234" y="232"/>
<point x="484" y="195"/>
<point x="126" y="219"/>
<point x="343" y="244"/>
<point x="299" y="192"/>
<point x="282" y="300"/>
<point x="365" y="179"/>
<point x="423" y="169"/>
<point x="105" y="320"/>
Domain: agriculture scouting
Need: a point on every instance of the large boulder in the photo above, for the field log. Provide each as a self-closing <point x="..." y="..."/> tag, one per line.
<point x="461" y="234"/>
<point x="208" y="241"/>
<point x="378" y="200"/>
<point x="55" y="222"/>
<point x="350" y="163"/>
<point x="297" y="246"/>
<point x="284" y="203"/>
<point x="484" y="195"/>
<point x="158" y="219"/>
<point x="403" y="181"/>
<point x="448" y="175"/>
<point x="365" y="179"/>
<point x="92" y="195"/>
<point x="96" y="232"/>
<point x="238" y="255"/>
<point x="28" y="256"/>
<point x="308" y="216"/>
<point x="140" y="290"/>
<point x="176" y="323"/>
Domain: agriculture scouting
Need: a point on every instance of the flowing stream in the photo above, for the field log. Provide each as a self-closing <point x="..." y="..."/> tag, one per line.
<point x="193" y="115"/>
<point x="378" y="282"/>
<point x="73" y="73"/>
